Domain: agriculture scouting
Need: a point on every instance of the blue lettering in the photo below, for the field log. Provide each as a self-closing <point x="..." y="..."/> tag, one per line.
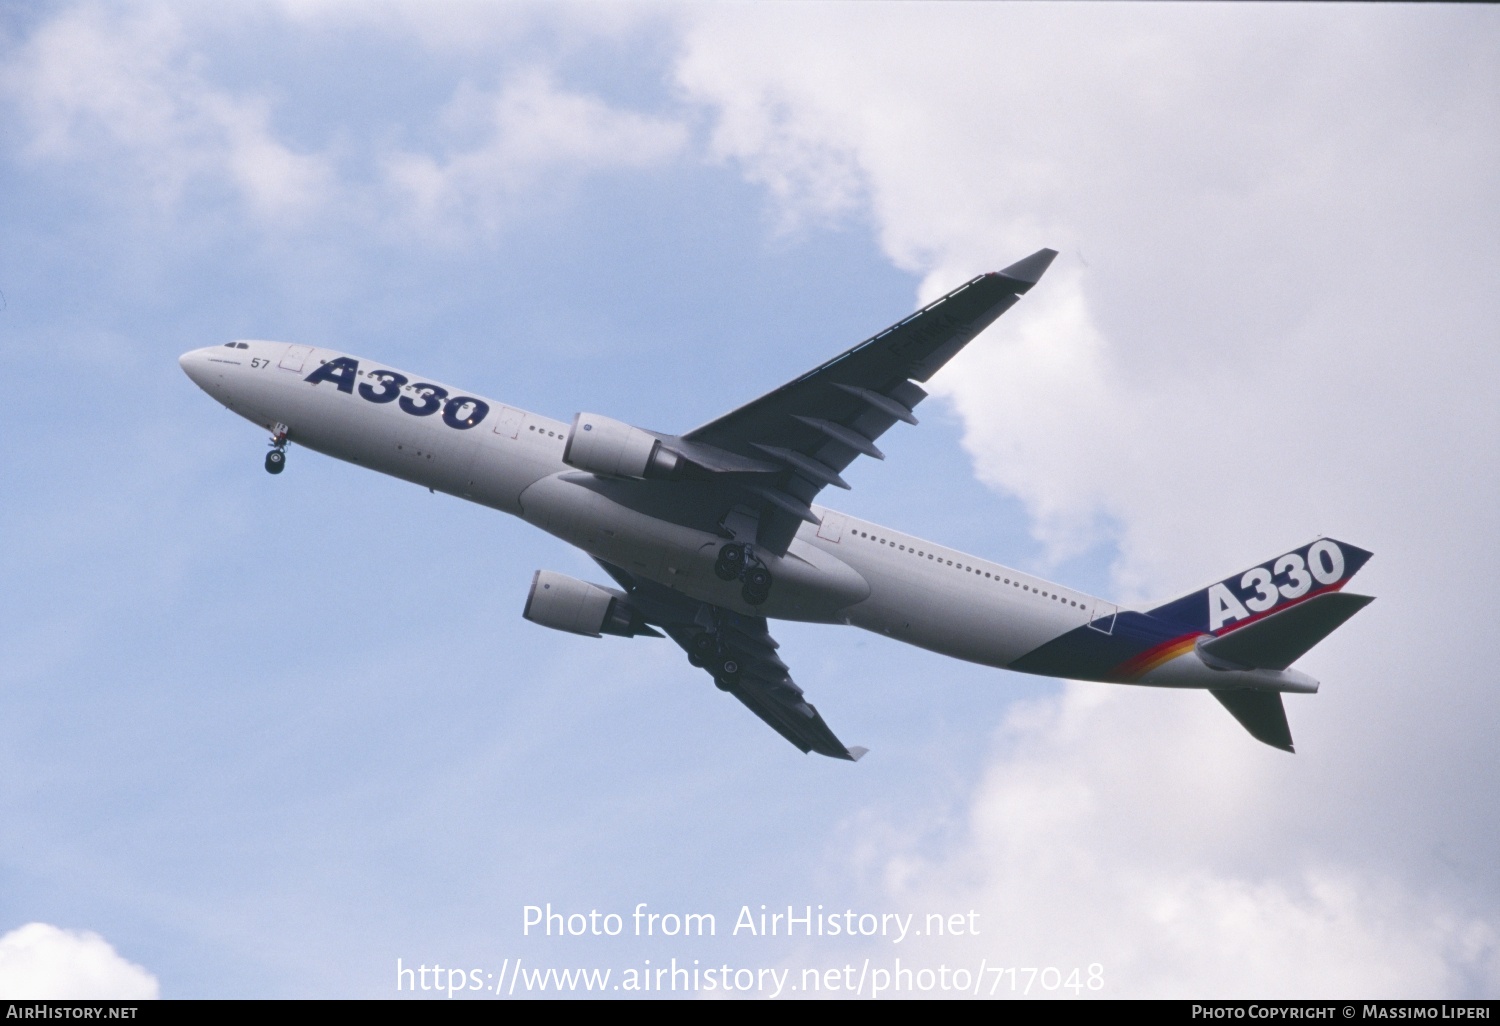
<point x="390" y="386"/>
<point x="455" y="415"/>
<point x="341" y="372"/>
<point x="432" y="400"/>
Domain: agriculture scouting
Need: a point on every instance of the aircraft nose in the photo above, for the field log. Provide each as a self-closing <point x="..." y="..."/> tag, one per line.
<point x="194" y="364"/>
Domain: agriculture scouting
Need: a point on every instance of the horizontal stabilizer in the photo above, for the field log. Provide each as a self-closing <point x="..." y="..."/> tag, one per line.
<point x="1261" y="713"/>
<point x="1275" y="642"/>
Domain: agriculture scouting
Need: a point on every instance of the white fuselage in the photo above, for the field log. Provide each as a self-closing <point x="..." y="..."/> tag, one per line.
<point x="846" y="570"/>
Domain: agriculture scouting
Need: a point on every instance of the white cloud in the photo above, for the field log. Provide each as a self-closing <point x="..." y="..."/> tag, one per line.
<point x="1244" y="201"/>
<point x="1270" y="319"/>
<point x="94" y="84"/>
<point x="1082" y="845"/>
<point x="469" y="26"/>
<point x="527" y="132"/>
<point x="129" y="94"/>
<point x="41" y="962"/>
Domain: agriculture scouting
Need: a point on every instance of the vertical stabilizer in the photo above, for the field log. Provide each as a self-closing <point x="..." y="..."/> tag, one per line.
<point x="1316" y="568"/>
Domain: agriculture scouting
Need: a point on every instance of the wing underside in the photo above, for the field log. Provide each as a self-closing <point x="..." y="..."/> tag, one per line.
<point x="752" y="474"/>
<point x="805" y="433"/>
<point x="739" y="654"/>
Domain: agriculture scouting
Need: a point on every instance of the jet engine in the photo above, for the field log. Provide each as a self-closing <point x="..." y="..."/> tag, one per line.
<point x="615" y="449"/>
<point x="568" y="604"/>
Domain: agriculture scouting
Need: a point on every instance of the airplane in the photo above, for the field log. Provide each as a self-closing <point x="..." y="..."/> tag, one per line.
<point x="709" y="535"/>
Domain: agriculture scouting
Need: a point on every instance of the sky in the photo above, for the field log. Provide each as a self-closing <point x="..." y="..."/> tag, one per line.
<point x="284" y="737"/>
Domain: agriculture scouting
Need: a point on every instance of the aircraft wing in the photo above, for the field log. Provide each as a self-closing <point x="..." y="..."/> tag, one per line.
<point x="760" y="681"/>
<point x="810" y="429"/>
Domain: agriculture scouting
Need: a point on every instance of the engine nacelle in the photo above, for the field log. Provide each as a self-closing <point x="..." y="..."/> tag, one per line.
<point x="578" y="607"/>
<point x="615" y="449"/>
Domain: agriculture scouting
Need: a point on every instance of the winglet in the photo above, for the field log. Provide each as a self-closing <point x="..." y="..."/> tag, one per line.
<point x="1029" y="270"/>
<point x="857" y="753"/>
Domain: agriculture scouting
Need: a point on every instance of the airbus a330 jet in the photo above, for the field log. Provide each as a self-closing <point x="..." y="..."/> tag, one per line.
<point x="709" y="534"/>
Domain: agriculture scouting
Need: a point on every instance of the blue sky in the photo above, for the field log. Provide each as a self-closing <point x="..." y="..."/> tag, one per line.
<point x="267" y="735"/>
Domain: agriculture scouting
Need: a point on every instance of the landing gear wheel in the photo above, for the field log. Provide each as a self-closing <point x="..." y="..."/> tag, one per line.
<point x="730" y="563"/>
<point x="757" y="585"/>
<point x="729" y="673"/>
<point x="276" y="458"/>
<point x="702" y="649"/>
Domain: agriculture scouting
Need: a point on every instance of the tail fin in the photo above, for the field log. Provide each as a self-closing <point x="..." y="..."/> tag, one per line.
<point x="1266" y="619"/>
<point x="1272" y="587"/>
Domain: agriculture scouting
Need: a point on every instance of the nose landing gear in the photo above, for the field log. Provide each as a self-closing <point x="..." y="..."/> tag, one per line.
<point x="276" y="458"/>
<point x="738" y="561"/>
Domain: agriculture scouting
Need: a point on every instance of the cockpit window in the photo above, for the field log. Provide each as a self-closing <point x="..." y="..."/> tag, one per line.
<point x="242" y="345"/>
<point x="229" y="345"/>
